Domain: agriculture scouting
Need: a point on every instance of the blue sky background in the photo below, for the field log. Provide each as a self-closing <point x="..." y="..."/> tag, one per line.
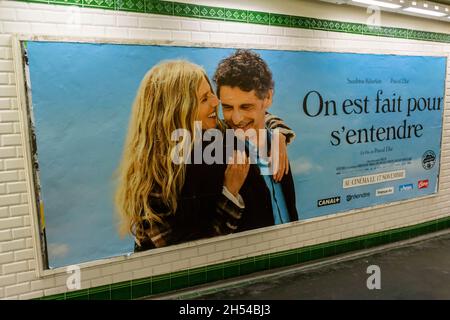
<point x="82" y="96"/>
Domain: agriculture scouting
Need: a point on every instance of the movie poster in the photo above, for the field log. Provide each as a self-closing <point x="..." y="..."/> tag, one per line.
<point x="367" y="131"/>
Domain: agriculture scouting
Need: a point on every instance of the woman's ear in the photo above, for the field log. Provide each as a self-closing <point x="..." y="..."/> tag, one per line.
<point x="268" y="99"/>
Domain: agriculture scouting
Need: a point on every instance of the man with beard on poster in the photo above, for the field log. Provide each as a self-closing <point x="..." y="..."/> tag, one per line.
<point x="245" y="88"/>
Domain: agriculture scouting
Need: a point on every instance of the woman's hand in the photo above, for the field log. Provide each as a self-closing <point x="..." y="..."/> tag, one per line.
<point x="236" y="172"/>
<point x="280" y="164"/>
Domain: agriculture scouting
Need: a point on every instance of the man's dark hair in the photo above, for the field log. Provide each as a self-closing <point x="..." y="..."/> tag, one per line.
<point x="246" y="70"/>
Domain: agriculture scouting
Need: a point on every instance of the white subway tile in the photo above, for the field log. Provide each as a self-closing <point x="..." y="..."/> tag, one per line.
<point x="17" y="27"/>
<point x="6" y="152"/>
<point x="103" y="20"/>
<point x="4" y="212"/>
<point x="11" y="140"/>
<point x="30" y="15"/>
<point x="5" y="103"/>
<point x="57" y="290"/>
<point x="69" y="29"/>
<point x="6" y="91"/>
<point x="126" y="21"/>
<point x="123" y="276"/>
<point x="114" y="32"/>
<point x="7" y="200"/>
<point x="93" y="31"/>
<point x="19" y="151"/>
<point x="257" y="29"/>
<point x="44" y="28"/>
<point x="9" y="116"/>
<point x="4" y="78"/>
<point x="139" y="33"/>
<point x="6" y="65"/>
<point x="209" y="26"/>
<point x="19" y="210"/>
<point x="7" y="280"/>
<point x="42" y="284"/>
<point x="190" y="25"/>
<point x="162" y="269"/>
<point x="275" y="31"/>
<point x="62" y="17"/>
<point x="15" y="267"/>
<point x="23" y="198"/>
<point x="232" y="27"/>
<point x="31" y="263"/>
<point x="26" y="276"/>
<point x="194" y="262"/>
<point x="113" y="269"/>
<point x="7" y="14"/>
<point x="200" y="36"/>
<point x="181" y="36"/>
<point x="20" y="233"/>
<point x="214" y="257"/>
<point x="5" y="235"/>
<point x="6" y="128"/>
<point x="5" y="40"/>
<point x="11" y="164"/>
<point x="16" y="187"/>
<point x="8" y="176"/>
<point x="206" y="249"/>
<point x="31" y="295"/>
<point x="17" y="289"/>
<point x="160" y="35"/>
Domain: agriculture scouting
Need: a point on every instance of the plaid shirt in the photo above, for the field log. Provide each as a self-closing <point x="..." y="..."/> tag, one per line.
<point x="226" y="218"/>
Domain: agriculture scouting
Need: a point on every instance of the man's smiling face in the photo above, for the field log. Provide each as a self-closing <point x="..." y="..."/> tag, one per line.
<point x="242" y="109"/>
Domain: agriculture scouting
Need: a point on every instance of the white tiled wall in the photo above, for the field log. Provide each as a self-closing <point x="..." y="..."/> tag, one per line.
<point x="18" y="266"/>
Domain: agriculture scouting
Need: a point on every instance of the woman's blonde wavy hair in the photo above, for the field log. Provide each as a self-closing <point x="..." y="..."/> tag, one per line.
<point x="166" y="101"/>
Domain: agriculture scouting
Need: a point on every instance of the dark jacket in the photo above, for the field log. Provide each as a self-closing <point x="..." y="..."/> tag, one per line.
<point x="258" y="204"/>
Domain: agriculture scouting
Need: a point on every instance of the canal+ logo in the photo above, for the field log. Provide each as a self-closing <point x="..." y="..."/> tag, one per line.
<point x="328" y="201"/>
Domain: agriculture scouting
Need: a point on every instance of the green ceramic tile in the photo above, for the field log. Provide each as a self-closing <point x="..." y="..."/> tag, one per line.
<point x="214" y="13"/>
<point x="316" y="253"/>
<point x="235" y="15"/>
<point x="262" y="263"/>
<point x="329" y="250"/>
<point x="280" y="20"/>
<point x="197" y="276"/>
<point x="214" y="273"/>
<point x="38" y="1"/>
<point x="186" y="9"/>
<point x="121" y="291"/>
<point x="102" y="4"/>
<point x="231" y="270"/>
<point x="78" y="295"/>
<point x="277" y="260"/>
<point x="159" y="7"/>
<point x="160" y="284"/>
<point x="100" y="293"/>
<point x="303" y="255"/>
<point x="341" y="247"/>
<point x="179" y="280"/>
<point x="247" y="266"/>
<point x="290" y="258"/>
<point x="63" y="2"/>
<point x="141" y="288"/>
<point x="373" y="241"/>
<point x="130" y="5"/>
<point x="258" y="17"/>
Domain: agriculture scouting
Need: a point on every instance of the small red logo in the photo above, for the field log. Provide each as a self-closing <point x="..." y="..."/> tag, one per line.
<point x="423" y="184"/>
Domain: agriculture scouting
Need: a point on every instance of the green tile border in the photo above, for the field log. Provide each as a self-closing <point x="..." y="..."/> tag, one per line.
<point x="180" y="9"/>
<point x="146" y="287"/>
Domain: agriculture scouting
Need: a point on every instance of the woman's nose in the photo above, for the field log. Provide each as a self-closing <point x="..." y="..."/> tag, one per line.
<point x="214" y="101"/>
